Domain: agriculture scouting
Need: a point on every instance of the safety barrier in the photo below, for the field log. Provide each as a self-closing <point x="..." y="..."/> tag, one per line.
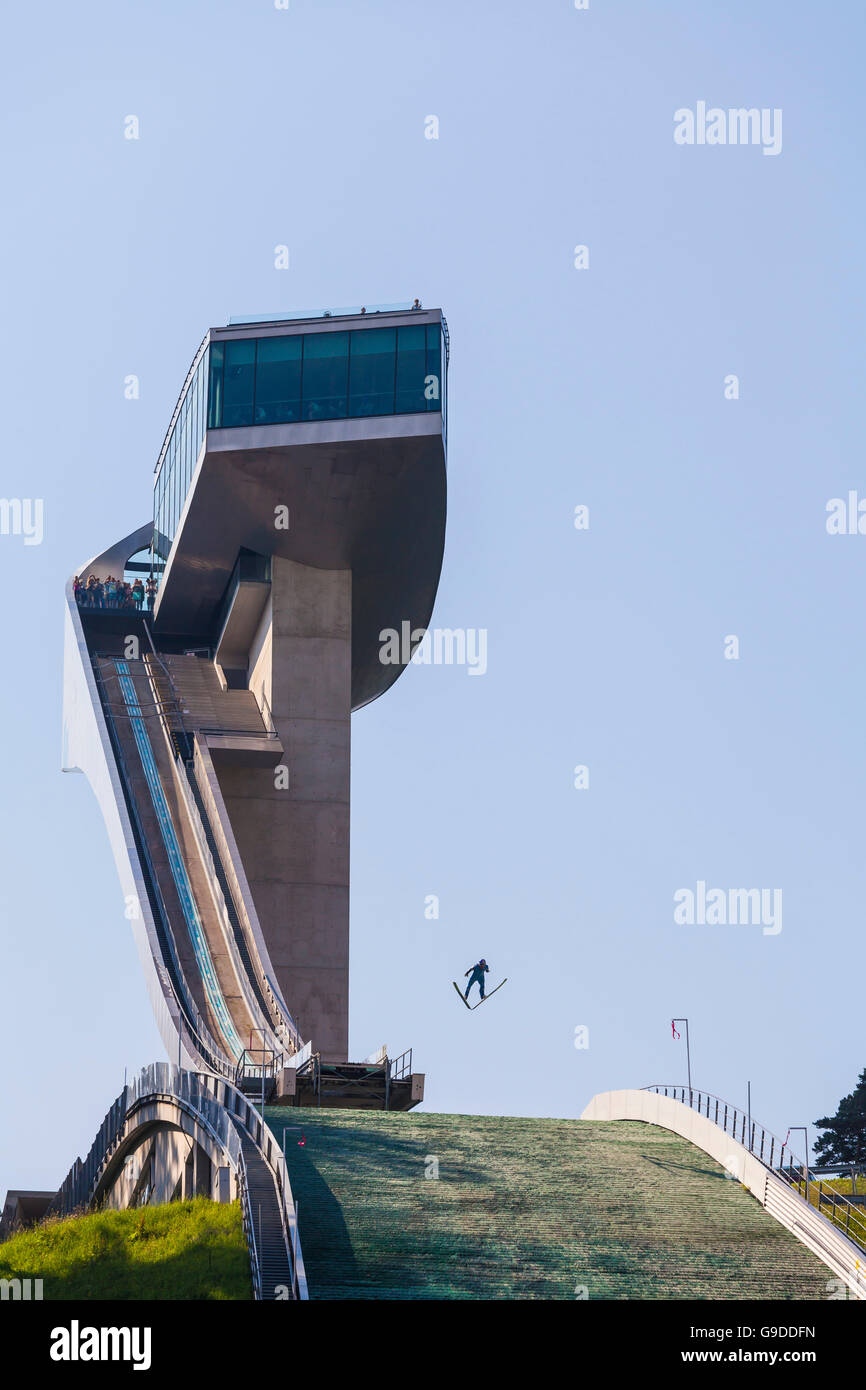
<point x="223" y="1112"/>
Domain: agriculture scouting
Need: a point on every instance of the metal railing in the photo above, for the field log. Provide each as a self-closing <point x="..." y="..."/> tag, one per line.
<point x="244" y="956"/>
<point x="200" y="1036"/>
<point x="220" y="1108"/>
<point x="196" y="819"/>
<point x="287" y="315"/>
<point x="249" y="1226"/>
<point x="401" y="1066"/>
<point x="178" y="866"/>
<point x="776" y="1155"/>
<point x="98" y="603"/>
<point x="280" y="1014"/>
<point x="234" y="732"/>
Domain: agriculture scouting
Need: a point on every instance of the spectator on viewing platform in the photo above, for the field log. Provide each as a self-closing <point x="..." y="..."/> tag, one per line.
<point x="417" y="304"/>
<point x="151" y="592"/>
<point x="113" y="593"/>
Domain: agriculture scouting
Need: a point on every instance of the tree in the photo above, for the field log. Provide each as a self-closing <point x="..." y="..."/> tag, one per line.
<point x="845" y="1137"/>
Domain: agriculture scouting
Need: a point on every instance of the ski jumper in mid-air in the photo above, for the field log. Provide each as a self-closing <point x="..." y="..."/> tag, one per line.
<point x="477" y="972"/>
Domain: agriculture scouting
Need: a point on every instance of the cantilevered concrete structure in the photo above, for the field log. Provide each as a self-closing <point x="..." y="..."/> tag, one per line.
<point x="299" y="511"/>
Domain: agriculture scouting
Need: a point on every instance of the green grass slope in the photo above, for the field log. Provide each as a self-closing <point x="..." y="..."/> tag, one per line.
<point x="527" y="1209"/>
<point x="185" y="1250"/>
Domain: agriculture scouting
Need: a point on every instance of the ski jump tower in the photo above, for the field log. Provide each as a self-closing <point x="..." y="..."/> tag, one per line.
<point x="299" y="510"/>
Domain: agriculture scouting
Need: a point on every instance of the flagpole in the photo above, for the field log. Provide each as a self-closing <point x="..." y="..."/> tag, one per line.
<point x="688" y="1052"/>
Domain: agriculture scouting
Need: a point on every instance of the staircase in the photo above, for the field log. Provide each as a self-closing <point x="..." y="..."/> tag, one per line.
<point x="204" y="703"/>
<point x="274" y="1266"/>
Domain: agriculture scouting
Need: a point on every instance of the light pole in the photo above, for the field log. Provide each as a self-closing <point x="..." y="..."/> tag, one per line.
<point x="674" y="1022"/>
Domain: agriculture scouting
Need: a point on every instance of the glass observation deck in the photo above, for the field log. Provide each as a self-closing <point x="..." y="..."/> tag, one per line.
<point x="307" y="374"/>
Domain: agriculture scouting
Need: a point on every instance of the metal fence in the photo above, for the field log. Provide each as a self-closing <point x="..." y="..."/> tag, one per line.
<point x="776" y="1155"/>
<point x="220" y="1108"/>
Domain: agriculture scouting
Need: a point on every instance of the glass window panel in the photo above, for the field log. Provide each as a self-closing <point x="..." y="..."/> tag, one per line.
<point x="215" y="386"/>
<point x="176" y="469"/>
<point x="184" y="452"/>
<point x="278" y="379"/>
<point x="198" y="429"/>
<point x="172" y="475"/>
<point x="238" y="382"/>
<point x="371" y="372"/>
<point x="433" y="382"/>
<point x="326" y="365"/>
<point x="411" y="369"/>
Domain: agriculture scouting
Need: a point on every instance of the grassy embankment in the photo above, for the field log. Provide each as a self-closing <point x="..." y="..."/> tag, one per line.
<point x="184" y="1250"/>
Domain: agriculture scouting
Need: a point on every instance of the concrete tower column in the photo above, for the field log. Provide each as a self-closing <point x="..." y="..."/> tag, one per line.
<point x="294" y="840"/>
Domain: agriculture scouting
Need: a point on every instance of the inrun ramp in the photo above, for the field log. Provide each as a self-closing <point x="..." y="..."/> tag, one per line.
<point x="527" y="1209"/>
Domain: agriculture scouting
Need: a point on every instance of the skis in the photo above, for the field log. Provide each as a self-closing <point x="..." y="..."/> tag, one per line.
<point x="460" y="992"/>
<point x="469" y="1006"/>
<point x="489" y="994"/>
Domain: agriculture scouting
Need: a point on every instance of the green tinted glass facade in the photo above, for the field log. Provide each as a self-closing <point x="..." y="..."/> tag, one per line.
<point x="325" y="376"/>
<point x="301" y="376"/>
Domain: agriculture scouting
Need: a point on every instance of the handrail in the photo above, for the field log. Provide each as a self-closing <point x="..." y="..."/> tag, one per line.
<point x="400" y="1067"/>
<point x="177" y="863"/>
<point x="236" y="733"/>
<point x="281" y="1016"/>
<point x="210" y="1050"/>
<point x="199" y="832"/>
<point x="770" y="1152"/>
<point x="220" y="1114"/>
<point x="265" y="1069"/>
<point x="249" y="1226"/>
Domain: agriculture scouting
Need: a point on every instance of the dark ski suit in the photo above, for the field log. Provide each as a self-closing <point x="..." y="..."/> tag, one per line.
<point x="477" y="973"/>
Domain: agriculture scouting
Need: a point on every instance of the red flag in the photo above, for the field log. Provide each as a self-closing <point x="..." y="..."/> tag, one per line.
<point x="674" y="1030"/>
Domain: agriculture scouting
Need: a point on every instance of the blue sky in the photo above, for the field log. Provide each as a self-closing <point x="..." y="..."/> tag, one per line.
<point x="602" y="387"/>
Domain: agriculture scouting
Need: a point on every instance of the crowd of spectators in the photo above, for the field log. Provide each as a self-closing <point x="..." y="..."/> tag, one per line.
<point x="115" y="593"/>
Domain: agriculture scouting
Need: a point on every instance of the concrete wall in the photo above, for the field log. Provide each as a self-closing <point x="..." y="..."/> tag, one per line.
<point x="294" y="841"/>
<point x="260" y="655"/>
